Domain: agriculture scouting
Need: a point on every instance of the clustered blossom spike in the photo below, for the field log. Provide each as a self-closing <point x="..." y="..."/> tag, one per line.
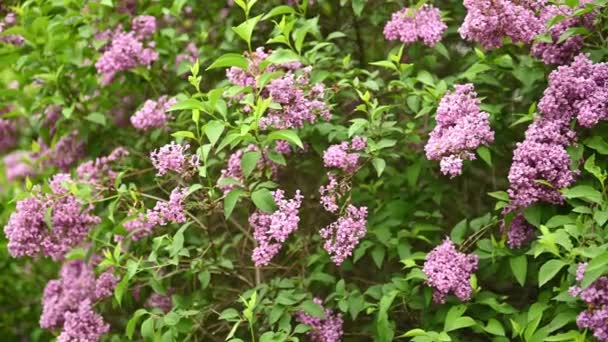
<point x="93" y="171"/>
<point x="8" y="134"/>
<point x="576" y="91"/>
<point x="343" y="156"/>
<point x="449" y="271"/>
<point x="342" y="236"/>
<point x="331" y="193"/>
<point x="561" y="53"/>
<point x="18" y="164"/>
<point x="488" y="22"/>
<point x="67" y="151"/>
<point x="189" y="56"/>
<point x="300" y="101"/>
<point x="595" y="318"/>
<point x="234" y="171"/>
<point x="270" y="231"/>
<point x="461" y="128"/>
<point x="67" y="303"/>
<point x="159" y="301"/>
<point x="410" y="25"/>
<point x="27" y="230"/>
<point x="327" y="329"/>
<point x="126" y="50"/>
<point x="11" y="39"/>
<point x="153" y="114"/>
<point x="520" y="232"/>
<point x="172" y="157"/>
<point x="164" y="212"/>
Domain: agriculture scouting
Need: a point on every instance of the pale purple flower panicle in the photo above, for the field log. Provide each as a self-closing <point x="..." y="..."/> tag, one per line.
<point x="105" y="285"/>
<point x="126" y="50"/>
<point x="331" y="193"/>
<point x="520" y="232"/>
<point x="66" y="152"/>
<point x="74" y="294"/>
<point x="235" y="173"/>
<point x="343" y="156"/>
<point x="410" y="25"/>
<point x="272" y="230"/>
<point x="153" y="114"/>
<point x="449" y="271"/>
<point x="327" y="329"/>
<point x="159" y="301"/>
<point x="488" y="22"/>
<point x="595" y="318"/>
<point x="18" y="165"/>
<point x="11" y="39"/>
<point x="164" y="212"/>
<point x="188" y="56"/>
<point x="173" y="157"/>
<point x="564" y="52"/>
<point x="8" y="134"/>
<point x="93" y="171"/>
<point x="342" y="236"/>
<point x="461" y="128"/>
<point x="27" y="230"/>
<point x="83" y="325"/>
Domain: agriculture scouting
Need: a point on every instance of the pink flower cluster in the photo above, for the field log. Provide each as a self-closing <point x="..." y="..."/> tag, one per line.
<point x="410" y="25"/>
<point x="595" y="318"/>
<point x="159" y="301"/>
<point x="18" y="164"/>
<point x="172" y="157"/>
<point x="270" y="231"/>
<point x="449" y="271"/>
<point x="67" y="303"/>
<point x="234" y="171"/>
<point x="11" y="39"/>
<point x="94" y="171"/>
<point x="300" y="101"/>
<point x="488" y="22"/>
<point x="29" y="234"/>
<point x="189" y="56"/>
<point x="461" y="128"/>
<point x="343" y="235"/>
<point x="126" y="50"/>
<point x="577" y="91"/>
<point x="67" y="151"/>
<point x="164" y="212"/>
<point x="520" y="232"/>
<point x="8" y="134"/>
<point x="153" y="114"/>
<point x="561" y="53"/>
<point x="343" y="156"/>
<point x="327" y="329"/>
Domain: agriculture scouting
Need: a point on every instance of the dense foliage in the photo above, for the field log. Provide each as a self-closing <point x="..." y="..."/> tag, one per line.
<point x="329" y="170"/>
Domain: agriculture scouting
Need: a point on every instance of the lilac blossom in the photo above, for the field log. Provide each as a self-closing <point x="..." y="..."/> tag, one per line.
<point x="410" y="25"/>
<point x="189" y="56"/>
<point x="83" y="325"/>
<point x="327" y="329"/>
<point x="153" y="114"/>
<point x="17" y="165"/>
<point x="596" y="297"/>
<point x="272" y="230"/>
<point x="232" y="176"/>
<point x="159" y="301"/>
<point x="449" y="271"/>
<point x="564" y="52"/>
<point x="520" y="232"/>
<point x="461" y="128"/>
<point x="331" y="193"/>
<point x="8" y="134"/>
<point x="64" y="154"/>
<point x="173" y="157"/>
<point x="488" y="22"/>
<point x="93" y="171"/>
<point x="144" y="26"/>
<point x="342" y="236"/>
<point x="343" y="156"/>
<point x="11" y="39"/>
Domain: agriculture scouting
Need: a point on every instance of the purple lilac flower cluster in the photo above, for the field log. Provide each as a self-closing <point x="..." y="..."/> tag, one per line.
<point x="164" y="212"/>
<point x="126" y="50"/>
<point x="449" y="271"/>
<point x="94" y="171"/>
<point x="8" y="134"/>
<point x="327" y="329"/>
<point x="12" y="39"/>
<point x="159" y="301"/>
<point x="67" y="303"/>
<point x="189" y="55"/>
<point x="461" y="128"/>
<point x="520" y="232"/>
<point x="343" y="235"/>
<point x="343" y="156"/>
<point x="172" y="157"/>
<point x="18" y="164"/>
<point x="270" y="231"/>
<point x="595" y="318"/>
<point x="67" y="152"/>
<point x="564" y="52"/>
<point x="576" y="91"/>
<point x="153" y="114"/>
<point x="300" y="101"/>
<point x="234" y="172"/>
<point x="410" y="25"/>
<point x="488" y="22"/>
<point x="27" y="230"/>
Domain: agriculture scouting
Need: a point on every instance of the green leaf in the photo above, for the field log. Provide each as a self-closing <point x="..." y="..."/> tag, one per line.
<point x="245" y="30"/>
<point x="281" y="56"/>
<point x="171" y="319"/>
<point x="214" y="130"/>
<point x="288" y="135"/>
<point x="384" y="328"/>
<point x="230" y="201"/>
<point x="97" y="118"/>
<point x="485" y="155"/>
<point x="475" y="69"/>
<point x="120" y="289"/>
<point x="385" y="64"/>
<point x="230" y="60"/>
<point x="583" y="191"/>
<point x="147" y="329"/>
<point x="494" y="327"/>
<point x="379" y="165"/>
<point x="313" y="309"/>
<point x="279" y="10"/>
<point x="426" y="78"/>
<point x="183" y="134"/>
<point x="249" y="162"/>
<point x="500" y="195"/>
<point x="549" y="270"/>
<point x="595" y="269"/>
<point x="263" y="200"/>
<point x="519" y="267"/>
<point x="597" y="143"/>
<point x="358" y="6"/>
<point x="133" y="322"/>
<point x="459" y="323"/>
<point x="204" y="277"/>
<point x="187" y="104"/>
